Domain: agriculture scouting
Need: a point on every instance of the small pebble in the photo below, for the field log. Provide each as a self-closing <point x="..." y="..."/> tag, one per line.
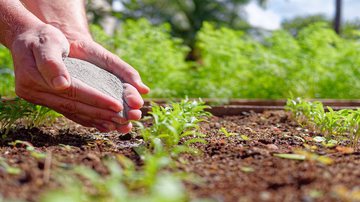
<point x="272" y="147"/>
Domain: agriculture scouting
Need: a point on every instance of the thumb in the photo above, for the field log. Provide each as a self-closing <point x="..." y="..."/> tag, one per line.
<point x="49" y="61"/>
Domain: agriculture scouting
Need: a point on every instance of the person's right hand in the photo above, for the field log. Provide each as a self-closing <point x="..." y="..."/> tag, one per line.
<point x="42" y="78"/>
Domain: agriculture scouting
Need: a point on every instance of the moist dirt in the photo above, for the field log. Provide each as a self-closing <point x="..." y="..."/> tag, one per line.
<point x="231" y="168"/>
<point x="96" y="77"/>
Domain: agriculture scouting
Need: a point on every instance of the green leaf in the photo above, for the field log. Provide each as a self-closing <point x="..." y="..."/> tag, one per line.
<point x="291" y="156"/>
<point x="247" y="169"/>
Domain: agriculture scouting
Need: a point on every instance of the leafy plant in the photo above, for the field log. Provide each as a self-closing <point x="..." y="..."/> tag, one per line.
<point x="124" y="183"/>
<point x="342" y="123"/>
<point x="174" y="129"/>
<point x="175" y="124"/>
<point x="17" y="109"/>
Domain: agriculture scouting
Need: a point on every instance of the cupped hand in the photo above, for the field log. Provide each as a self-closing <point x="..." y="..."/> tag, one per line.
<point x="86" y="49"/>
<point x="41" y="78"/>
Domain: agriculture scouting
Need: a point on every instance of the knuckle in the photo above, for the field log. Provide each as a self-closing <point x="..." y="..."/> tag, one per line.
<point x="109" y="59"/>
<point x="71" y="92"/>
<point x="78" y="45"/>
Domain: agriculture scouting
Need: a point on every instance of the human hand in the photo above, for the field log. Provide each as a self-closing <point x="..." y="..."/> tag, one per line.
<point x="42" y="78"/>
<point x="86" y="49"/>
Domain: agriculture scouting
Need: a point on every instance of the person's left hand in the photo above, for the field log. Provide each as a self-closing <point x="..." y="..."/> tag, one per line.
<point x="88" y="50"/>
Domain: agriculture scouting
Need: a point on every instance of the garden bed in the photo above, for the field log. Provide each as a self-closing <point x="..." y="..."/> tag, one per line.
<point x="239" y="162"/>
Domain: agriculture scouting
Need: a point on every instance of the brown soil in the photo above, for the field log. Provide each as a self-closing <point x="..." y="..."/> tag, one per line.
<point x="232" y="169"/>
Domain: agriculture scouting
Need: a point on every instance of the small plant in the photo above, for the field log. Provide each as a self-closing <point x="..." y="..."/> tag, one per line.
<point x="8" y="169"/>
<point x="174" y="129"/>
<point x="342" y="123"/>
<point x="29" y="147"/>
<point x="176" y="123"/>
<point x="17" y="109"/>
<point x="123" y="183"/>
<point x="226" y="133"/>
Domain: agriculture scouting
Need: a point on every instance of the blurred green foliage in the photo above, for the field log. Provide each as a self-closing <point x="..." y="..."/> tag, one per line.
<point x="185" y="17"/>
<point x="316" y="63"/>
<point x="158" y="57"/>
<point x="7" y="85"/>
<point x="349" y="29"/>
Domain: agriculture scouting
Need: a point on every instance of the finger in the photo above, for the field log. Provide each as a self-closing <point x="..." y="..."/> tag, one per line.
<point x="132" y="97"/>
<point x="66" y="106"/>
<point x="96" y="54"/>
<point x="134" y="114"/>
<point x="86" y="123"/>
<point x="101" y="125"/>
<point x="124" y="128"/>
<point x="48" y="56"/>
<point x="79" y="91"/>
<point x="78" y="120"/>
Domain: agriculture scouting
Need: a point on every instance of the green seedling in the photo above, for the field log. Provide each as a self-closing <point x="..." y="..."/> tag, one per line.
<point x="173" y="131"/>
<point x="29" y="147"/>
<point x="326" y="143"/>
<point x="9" y="169"/>
<point x="298" y="157"/>
<point x="245" y="137"/>
<point x="247" y="169"/>
<point x="17" y="109"/>
<point x="314" y="157"/>
<point x="333" y="125"/>
<point x="176" y="123"/>
<point x="302" y="155"/>
<point x="124" y="183"/>
<point x="226" y="133"/>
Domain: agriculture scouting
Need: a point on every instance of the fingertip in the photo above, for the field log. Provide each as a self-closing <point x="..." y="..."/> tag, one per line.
<point x="135" y="102"/>
<point x="134" y="115"/>
<point x="144" y="89"/>
<point x="124" y="128"/>
<point x="140" y="86"/>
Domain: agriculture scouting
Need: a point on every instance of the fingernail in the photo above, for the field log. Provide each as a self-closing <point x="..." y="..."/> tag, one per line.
<point x="145" y="86"/>
<point x="60" y="82"/>
<point x="119" y="120"/>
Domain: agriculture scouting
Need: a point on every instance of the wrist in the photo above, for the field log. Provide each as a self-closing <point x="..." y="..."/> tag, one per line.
<point x="15" y="20"/>
<point x="67" y="16"/>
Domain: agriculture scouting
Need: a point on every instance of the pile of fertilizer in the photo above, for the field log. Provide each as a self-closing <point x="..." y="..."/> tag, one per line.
<point x="97" y="78"/>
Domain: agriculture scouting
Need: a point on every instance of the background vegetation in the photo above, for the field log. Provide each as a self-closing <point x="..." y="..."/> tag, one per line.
<point x="222" y="58"/>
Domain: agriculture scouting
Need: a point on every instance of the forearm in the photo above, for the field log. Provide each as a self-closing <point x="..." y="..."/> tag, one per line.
<point x="67" y="15"/>
<point x="14" y="20"/>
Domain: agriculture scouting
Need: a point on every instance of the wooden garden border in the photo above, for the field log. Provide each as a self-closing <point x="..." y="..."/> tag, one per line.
<point x="232" y="107"/>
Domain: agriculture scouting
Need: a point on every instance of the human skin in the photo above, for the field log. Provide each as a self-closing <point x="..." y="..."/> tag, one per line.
<point x="44" y="32"/>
